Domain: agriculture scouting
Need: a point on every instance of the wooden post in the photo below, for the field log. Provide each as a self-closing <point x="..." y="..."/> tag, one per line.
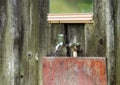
<point x="100" y="28"/>
<point x="9" y="42"/>
<point x="110" y="45"/>
<point x="117" y="39"/>
<point x="104" y="23"/>
<point x="30" y="49"/>
<point x="23" y="41"/>
<point x="43" y="35"/>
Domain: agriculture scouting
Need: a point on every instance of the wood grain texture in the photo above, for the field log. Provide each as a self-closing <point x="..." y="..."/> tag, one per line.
<point x="117" y="39"/>
<point x="100" y="28"/>
<point x="90" y="44"/>
<point x="104" y="26"/>
<point x="21" y="44"/>
<point x="9" y="42"/>
<point x="110" y="42"/>
<point x="43" y="36"/>
<point x="54" y="31"/>
<point x="30" y="49"/>
<point x="75" y="34"/>
<point x="74" y="71"/>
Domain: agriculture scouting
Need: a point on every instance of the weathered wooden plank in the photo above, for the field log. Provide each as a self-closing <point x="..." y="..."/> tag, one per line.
<point x="104" y="25"/>
<point x="75" y="35"/>
<point x="30" y="49"/>
<point x="110" y="42"/>
<point x="117" y="39"/>
<point x="9" y="42"/>
<point x="100" y="28"/>
<point x="90" y="45"/>
<point x="70" y="18"/>
<point x="74" y="71"/>
<point x="24" y="66"/>
<point x="2" y="26"/>
<point x="43" y="36"/>
<point x="19" y="41"/>
<point x="21" y="23"/>
<point x="54" y="31"/>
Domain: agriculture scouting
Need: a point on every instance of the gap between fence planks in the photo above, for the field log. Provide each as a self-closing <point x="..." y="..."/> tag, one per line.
<point x="70" y="18"/>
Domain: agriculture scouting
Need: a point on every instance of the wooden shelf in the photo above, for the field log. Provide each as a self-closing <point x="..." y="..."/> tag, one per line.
<point x="70" y="18"/>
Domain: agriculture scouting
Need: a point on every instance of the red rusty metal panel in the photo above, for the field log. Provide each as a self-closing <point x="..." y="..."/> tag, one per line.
<point x="74" y="71"/>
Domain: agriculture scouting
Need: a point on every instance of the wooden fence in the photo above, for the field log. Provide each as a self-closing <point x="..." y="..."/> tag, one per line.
<point x="25" y="37"/>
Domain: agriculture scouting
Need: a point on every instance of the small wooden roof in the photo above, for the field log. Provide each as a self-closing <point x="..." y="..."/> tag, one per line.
<point x="70" y="18"/>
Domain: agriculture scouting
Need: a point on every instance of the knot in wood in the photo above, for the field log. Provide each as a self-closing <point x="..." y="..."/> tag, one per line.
<point x="29" y="54"/>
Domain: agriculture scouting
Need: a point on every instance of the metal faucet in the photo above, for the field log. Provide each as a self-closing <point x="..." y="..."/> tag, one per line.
<point x="58" y="46"/>
<point x="74" y="48"/>
<point x="71" y="48"/>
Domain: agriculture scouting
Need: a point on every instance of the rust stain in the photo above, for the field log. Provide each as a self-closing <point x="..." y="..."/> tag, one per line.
<point x="74" y="71"/>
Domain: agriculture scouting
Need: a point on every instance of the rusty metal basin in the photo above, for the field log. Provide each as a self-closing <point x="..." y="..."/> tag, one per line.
<point x="74" y="71"/>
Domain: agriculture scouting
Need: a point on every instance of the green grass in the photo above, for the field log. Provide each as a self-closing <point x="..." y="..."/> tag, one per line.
<point x="63" y="6"/>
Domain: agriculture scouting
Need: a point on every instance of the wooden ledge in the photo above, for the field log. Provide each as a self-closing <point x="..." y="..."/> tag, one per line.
<point x="70" y="18"/>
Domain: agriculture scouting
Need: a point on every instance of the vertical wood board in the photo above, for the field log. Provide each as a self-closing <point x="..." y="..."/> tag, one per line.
<point x="43" y="35"/>
<point x="75" y="35"/>
<point x="90" y="44"/>
<point x="54" y="31"/>
<point x="104" y="29"/>
<point x="100" y="28"/>
<point x="117" y="39"/>
<point x="9" y="42"/>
